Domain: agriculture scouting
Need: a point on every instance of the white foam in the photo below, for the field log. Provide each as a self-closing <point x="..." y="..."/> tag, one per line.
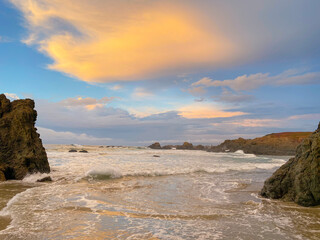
<point x="103" y="173"/>
<point x="6" y="210"/>
<point x="32" y="178"/>
<point x="239" y="152"/>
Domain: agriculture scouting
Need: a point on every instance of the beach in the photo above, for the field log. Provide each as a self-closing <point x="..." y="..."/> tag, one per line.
<point x="128" y="193"/>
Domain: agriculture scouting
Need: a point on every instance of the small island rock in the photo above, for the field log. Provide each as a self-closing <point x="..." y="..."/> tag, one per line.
<point x="155" y="145"/>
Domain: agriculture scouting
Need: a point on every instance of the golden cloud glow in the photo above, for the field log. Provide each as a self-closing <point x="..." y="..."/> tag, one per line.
<point x="204" y="110"/>
<point x="105" y="41"/>
<point x="88" y="102"/>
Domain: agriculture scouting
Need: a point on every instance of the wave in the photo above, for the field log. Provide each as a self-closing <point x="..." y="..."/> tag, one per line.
<point x="103" y="173"/>
<point x="17" y="198"/>
<point x="239" y="152"/>
<point x="112" y="173"/>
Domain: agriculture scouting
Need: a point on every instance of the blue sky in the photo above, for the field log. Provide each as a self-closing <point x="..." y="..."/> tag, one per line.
<point x="131" y="73"/>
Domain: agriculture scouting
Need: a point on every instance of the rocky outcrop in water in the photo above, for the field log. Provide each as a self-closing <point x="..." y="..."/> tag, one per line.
<point x="155" y="145"/>
<point x="21" y="150"/>
<point x="186" y="146"/>
<point x="284" y="143"/>
<point x="298" y="180"/>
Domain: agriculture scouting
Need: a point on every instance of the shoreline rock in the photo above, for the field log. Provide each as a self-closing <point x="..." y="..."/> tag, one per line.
<point x="298" y="180"/>
<point x="284" y="143"/>
<point x="280" y="144"/>
<point x="21" y="149"/>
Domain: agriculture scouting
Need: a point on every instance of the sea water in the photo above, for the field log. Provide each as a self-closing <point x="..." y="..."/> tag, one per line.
<point x="128" y="193"/>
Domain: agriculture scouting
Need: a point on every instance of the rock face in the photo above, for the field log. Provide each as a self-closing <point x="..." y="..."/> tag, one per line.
<point x="155" y="145"/>
<point x="284" y="143"/>
<point x="21" y="150"/>
<point x="298" y="179"/>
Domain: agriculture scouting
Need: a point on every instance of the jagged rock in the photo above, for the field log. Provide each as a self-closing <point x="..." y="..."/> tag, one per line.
<point x="45" y="179"/>
<point x="21" y="150"/>
<point x="73" y="150"/>
<point x="284" y="143"/>
<point x="298" y="180"/>
<point x="155" y="145"/>
<point x="83" y="151"/>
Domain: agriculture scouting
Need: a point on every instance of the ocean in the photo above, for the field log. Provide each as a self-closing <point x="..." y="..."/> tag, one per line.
<point x="140" y="193"/>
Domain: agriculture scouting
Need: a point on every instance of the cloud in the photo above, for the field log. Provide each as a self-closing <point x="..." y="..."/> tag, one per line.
<point x="167" y="126"/>
<point x="206" y="110"/>
<point x="108" y="41"/>
<point x="230" y="97"/>
<point x="12" y="96"/>
<point x="116" y="87"/>
<point x="197" y="91"/>
<point x="88" y="102"/>
<point x="310" y="116"/>
<point x="141" y="93"/>
<point x="145" y="111"/>
<point x="253" y="81"/>
<point x="65" y="137"/>
<point x="257" y="123"/>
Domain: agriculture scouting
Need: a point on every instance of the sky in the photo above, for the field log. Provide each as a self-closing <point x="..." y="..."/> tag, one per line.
<point x="132" y="72"/>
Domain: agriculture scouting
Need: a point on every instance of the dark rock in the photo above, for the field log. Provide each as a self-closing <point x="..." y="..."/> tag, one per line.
<point x="186" y="145"/>
<point x="83" y="151"/>
<point x="168" y="147"/>
<point x="73" y="150"/>
<point x="199" y="147"/>
<point x="45" y="179"/>
<point x="284" y="143"/>
<point x="21" y="150"/>
<point x="298" y="180"/>
<point x="155" y="145"/>
<point x="156" y="156"/>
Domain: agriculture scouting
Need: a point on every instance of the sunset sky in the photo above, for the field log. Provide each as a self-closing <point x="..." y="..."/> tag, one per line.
<point x="131" y="72"/>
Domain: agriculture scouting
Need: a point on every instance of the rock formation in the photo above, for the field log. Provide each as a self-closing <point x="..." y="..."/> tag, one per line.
<point x="298" y="179"/>
<point x="186" y="146"/>
<point x="284" y="143"/>
<point x="21" y="150"/>
<point x="155" y="145"/>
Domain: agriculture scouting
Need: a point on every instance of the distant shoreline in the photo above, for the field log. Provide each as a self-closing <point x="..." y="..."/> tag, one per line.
<point x="280" y="144"/>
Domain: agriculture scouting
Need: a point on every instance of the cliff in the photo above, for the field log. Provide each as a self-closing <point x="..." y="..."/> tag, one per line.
<point x="21" y="150"/>
<point x="298" y="180"/>
<point x="284" y="143"/>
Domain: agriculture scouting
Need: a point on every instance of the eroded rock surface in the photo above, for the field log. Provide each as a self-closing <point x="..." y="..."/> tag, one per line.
<point x="298" y="180"/>
<point x="21" y="150"/>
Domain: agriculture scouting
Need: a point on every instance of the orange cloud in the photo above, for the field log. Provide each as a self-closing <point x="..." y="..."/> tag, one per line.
<point x="257" y="122"/>
<point x="106" y="42"/>
<point x="206" y="110"/>
<point x="88" y="102"/>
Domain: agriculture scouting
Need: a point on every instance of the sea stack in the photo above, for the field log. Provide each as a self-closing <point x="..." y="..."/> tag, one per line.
<point x="21" y="149"/>
<point x="298" y="180"/>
